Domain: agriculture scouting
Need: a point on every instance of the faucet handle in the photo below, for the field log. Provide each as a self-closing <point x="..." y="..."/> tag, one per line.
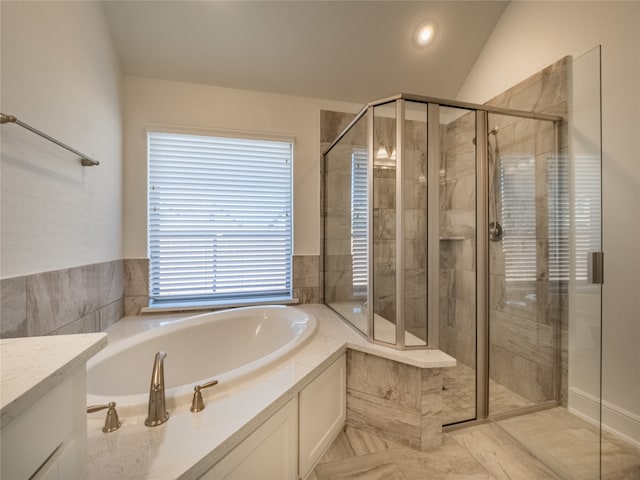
<point x="112" y="422"/>
<point x="197" y="404"/>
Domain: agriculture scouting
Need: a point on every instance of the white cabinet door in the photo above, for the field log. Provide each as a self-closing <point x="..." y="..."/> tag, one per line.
<point x="323" y="413"/>
<point x="61" y="466"/>
<point x="269" y="453"/>
<point x="31" y="441"/>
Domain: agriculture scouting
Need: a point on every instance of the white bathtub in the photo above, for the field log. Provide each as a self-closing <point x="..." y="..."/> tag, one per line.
<point x="230" y="346"/>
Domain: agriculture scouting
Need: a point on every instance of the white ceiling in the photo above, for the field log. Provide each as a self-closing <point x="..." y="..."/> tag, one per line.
<point x="355" y="51"/>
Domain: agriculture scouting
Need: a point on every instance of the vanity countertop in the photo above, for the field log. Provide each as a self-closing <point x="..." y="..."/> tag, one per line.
<point x="32" y="366"/>
<point x="188" y="444"/>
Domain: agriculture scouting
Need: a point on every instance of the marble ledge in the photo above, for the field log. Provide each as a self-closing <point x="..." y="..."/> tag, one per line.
<point x="423" y="358"/>
<point x="32" y="366"/>
<point x="189" y="444"/>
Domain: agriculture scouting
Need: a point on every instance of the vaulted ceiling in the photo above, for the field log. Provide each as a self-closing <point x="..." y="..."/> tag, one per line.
<point x="354" y="51"/>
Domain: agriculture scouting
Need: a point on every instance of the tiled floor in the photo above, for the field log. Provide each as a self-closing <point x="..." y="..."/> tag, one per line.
<point x="569" y="446"/>
<point x="485" y="452"/>
<point x="477" y="453"/>
<point x="459" y="393"/>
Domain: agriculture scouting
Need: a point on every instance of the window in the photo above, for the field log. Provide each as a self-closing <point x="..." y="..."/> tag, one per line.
<point x="517" y="181"/>
<point x="559" y="227"/>
<point x="359" y="213"/>
<point x="219" y="223"/>
<point x="587" y="211"/>
<point x="518" y="194"/>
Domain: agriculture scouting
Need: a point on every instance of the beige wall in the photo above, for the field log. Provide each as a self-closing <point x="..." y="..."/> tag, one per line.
<point x="529" y="36"/>
<point x="59" y="74"/>
<point x="149" y="101"/>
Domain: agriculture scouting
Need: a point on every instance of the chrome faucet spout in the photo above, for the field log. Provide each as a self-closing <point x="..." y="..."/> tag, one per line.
<point x="157" y="412"/>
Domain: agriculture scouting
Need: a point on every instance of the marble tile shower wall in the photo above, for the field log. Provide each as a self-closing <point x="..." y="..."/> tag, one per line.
<point x="384" y="225"/>
<point x="528" y="318"/>
<point x="415" y="228"/>
<point x="337" y="267"/>
<point x="457" y="240"/>
<point x="337" y="209"/>
<point x="82" y="299"/>
<point x="535" y="322"/>
<point x="385" y="295"/>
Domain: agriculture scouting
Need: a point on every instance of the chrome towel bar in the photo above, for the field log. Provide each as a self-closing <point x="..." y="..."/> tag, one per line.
<point x="85" y="160"/>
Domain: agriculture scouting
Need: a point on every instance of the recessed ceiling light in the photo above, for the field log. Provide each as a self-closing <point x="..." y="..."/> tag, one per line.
<point x="424" y="34"/>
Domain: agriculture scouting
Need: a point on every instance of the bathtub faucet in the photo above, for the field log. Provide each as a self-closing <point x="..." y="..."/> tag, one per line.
<point x="157" y="413"/>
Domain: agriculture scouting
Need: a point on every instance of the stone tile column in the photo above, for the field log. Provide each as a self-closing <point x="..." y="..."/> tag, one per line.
<point x="394" y="400"/>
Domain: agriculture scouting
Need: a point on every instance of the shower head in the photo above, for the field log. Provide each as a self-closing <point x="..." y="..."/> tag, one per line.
<point x="493" y="131"/>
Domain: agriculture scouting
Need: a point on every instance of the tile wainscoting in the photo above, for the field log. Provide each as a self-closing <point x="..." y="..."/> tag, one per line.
<point x="83" y="299"/>
<point x="90" y="298"/>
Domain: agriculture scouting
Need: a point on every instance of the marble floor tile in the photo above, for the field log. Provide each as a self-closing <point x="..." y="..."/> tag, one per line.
<point x="459" y="395"/>
<point x="450" y="461"/>
<point x="373" y="466"/>
<point x="499" y="455"/>
<point x="625" y="474"/>
<point x="354" y="442"/>
<point x="548" y="445"/>
<point x="570" y="446"/>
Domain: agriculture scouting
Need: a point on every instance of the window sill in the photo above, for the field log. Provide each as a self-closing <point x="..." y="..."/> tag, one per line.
<point x="195" y="306"/>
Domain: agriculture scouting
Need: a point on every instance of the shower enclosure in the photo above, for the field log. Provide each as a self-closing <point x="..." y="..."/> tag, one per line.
<point x="437" y="224"/>
<point x="447" y="225"/>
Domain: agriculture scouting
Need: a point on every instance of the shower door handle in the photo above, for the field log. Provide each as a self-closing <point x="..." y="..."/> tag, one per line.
<point x="595" y="267"/>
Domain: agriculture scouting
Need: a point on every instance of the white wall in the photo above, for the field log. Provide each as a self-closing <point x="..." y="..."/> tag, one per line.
<point x="530" y="36"/>
<point x="60" y="75"/>
<point x="149" y="101"/>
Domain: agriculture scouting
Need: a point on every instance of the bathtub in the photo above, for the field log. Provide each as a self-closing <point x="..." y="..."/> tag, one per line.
<point x="230" y="346"/>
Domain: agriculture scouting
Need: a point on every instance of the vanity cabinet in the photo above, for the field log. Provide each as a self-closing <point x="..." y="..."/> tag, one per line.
<point x="289" y="444"/>
<point x="42" y="441"/>
<point x="44" y="425"/>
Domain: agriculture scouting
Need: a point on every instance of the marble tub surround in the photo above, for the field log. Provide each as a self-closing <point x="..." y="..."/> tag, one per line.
<point x="82" y="299"/>
<point x="306" y="282"/>
<point x="188" y="444"/>
<point x="31" y="367"/>
<point x="394" y="400"/>
<point x="136" y="285"/>
<point x="306" y="278"/>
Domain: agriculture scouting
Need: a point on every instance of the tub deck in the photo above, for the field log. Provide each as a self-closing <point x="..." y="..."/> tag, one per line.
<point x="189" y="444"/>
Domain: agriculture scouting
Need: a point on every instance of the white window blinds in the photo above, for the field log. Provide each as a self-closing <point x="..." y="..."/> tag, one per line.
<point x="219" y="223"/>
<point x="518" y="194"/>
<point x="359" y="213"/>
<point x="519" y="215"/>
<point x="587" y="211"/>
<point x="559" y="213"/>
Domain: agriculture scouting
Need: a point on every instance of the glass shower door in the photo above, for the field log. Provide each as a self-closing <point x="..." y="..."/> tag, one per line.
<point x="345" y="207"/>
<point x="563" y="346"/>
<point x="528" y="262"/>
<point x="457" y="261"/>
